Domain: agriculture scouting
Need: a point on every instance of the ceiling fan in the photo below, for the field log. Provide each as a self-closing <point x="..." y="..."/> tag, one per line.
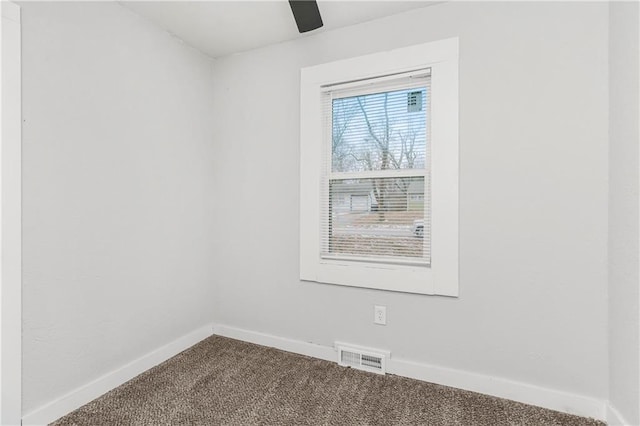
<point x="306" y="14"/>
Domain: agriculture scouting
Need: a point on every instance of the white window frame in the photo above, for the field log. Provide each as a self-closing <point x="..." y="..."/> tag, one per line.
<point x="441" y="277"/>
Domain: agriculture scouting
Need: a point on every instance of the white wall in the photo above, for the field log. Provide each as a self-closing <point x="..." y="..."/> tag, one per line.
<point x="117" y="206"/>
<point x="624" y="328"/>
<point x="533" y="197"/>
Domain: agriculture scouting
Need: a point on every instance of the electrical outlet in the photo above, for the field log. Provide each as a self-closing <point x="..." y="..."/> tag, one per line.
<point x="380" y="315"/>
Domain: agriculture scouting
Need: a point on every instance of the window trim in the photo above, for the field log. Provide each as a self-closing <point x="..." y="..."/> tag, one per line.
<point x="441" y="277"/>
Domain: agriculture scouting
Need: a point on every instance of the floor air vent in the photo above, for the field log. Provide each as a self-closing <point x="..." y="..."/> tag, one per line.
<point x="366" y="359"/>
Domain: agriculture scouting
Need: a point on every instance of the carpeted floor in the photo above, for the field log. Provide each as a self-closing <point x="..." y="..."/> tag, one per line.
<point x="222" y="381"/>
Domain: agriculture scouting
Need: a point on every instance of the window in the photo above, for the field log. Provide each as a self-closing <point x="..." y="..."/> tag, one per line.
<point x="379" y="170"/>
<point x="376" y="152"/>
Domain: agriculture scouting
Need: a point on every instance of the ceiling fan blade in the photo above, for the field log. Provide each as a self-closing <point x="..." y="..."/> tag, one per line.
<point x="306" y="14"/>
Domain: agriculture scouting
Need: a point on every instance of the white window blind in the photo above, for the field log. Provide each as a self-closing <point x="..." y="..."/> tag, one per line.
<point x="375" y="183"/>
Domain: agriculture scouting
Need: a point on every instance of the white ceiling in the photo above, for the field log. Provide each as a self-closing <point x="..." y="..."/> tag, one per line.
<point x="220" y="28"/>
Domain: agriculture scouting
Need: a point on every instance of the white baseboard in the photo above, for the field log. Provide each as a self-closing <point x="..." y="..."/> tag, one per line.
<point x="503" y="388"/>
<point x="290" y="345"/>
<point x="614" y="418"/>
<point x="77" y="398"/>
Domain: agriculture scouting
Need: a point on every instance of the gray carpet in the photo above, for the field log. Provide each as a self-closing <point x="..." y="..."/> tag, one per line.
<point x="222" y="381"/>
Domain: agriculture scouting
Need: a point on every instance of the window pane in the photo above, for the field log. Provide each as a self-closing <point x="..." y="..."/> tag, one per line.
<point x="380" y="131"/>
<point x="378" y="217"/>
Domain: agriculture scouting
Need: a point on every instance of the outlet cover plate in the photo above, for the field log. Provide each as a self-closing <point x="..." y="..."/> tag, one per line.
<point x="380" y="315"/>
